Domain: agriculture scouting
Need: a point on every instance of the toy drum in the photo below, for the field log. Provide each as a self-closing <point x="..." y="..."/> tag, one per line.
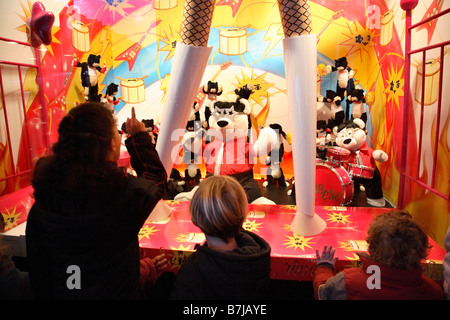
<point x="233" y="41"/>
<point x="337" y="156"/>
<point x="334" y="187"/>
<point x="360" y="171"/>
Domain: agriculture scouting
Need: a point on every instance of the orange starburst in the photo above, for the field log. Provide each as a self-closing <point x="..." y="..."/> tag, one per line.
<point x="394" y="85"/>
<point x="359" y="40"/>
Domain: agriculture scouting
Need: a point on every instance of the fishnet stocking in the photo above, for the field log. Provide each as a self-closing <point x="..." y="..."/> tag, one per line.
<point x="295" y="17"/>
<point x="197" y="22"/>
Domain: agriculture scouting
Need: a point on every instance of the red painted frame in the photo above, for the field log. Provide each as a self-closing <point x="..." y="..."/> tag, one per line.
<point x="406" y="107"/>
<point x="41" y="101"/>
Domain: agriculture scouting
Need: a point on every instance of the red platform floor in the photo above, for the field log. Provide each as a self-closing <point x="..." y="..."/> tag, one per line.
<point x="293" y="256"/>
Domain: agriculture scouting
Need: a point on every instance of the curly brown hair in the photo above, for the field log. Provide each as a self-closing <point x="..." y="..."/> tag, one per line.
<point x="396" y="240"/>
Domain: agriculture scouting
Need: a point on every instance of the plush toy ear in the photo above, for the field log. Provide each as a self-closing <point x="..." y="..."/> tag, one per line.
<point x="219" y="90"/>
<point x="359" y="122"/>
<point x="247" y="108"/>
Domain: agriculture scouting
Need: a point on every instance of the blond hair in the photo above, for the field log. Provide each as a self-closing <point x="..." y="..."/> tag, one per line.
<point x="219" y="207"/>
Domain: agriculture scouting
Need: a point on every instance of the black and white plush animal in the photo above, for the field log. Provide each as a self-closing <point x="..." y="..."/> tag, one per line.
<point x="229" y="152"/>
<point x="275" y="175"/>
<point x="192" y="173"/>
<point x="89" y="78"/>
<point x="336" y="111"/>
<point x="345" y="80"/>
<point x="212" y="90"/>
<point x="357" y="99"/>
<point x="110" y="99"/>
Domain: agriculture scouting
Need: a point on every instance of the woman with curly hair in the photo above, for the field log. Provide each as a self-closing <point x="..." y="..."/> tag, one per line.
<point x="397" y="245"/>
<point x="82" y="231"/>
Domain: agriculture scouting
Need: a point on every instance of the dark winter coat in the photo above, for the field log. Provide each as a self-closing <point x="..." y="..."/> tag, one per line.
<point x="243" y="273"/>
<point x="92" y="233"/>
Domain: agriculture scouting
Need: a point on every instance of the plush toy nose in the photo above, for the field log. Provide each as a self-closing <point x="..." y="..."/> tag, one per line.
<point x="222" y="123"/>
<point x="347" y="141"/>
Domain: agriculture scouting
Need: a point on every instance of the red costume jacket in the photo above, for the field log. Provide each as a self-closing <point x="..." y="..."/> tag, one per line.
<point x="237" y="157"/>
<point x="365" y="155"/>
<point x="396" y="284"/>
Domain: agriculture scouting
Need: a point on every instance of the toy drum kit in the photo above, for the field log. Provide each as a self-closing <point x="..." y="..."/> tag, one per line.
<point x="334" y="177"/>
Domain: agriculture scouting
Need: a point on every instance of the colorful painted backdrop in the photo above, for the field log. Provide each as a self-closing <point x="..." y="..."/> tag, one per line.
<point x="136" y="40"/>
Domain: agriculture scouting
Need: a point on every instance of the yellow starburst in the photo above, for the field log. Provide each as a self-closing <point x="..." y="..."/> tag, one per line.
<point x="251" y="225"/>
<point x="354" y="260"/>
<point x="290" y="207"/>
<point x="10" y="219"/>
<point x="179" y="255"/>
<point x="146" y="232"/>
<point x="172" y="202"/>
<point x="359" y="40"/>
<point x="259" y="83"/>
<point x="297" y="241"/>
<point x="338" y="217"/>
<point x="170" y="40"/>
<point x="345" y="245"/>
<point x="394" y="85"/>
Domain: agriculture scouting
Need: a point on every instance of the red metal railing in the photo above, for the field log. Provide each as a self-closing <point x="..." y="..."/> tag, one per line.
<point x="406" y="108"/>
<point x="42" y="102"/>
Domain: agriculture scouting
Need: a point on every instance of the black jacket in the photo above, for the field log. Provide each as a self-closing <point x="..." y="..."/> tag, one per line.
<point x="243" y="273"/>
<point x="91" y="234"/>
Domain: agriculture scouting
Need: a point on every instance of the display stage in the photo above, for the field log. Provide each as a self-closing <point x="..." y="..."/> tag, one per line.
<point x="293" y="256"/>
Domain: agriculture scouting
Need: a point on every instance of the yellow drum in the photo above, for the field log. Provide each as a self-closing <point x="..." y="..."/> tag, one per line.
<point x="233" y="41"/>
<point x="132" y="90"/>
<point x="80" y="36"/>
<point x="432" y="68"/>
<point x="387" y="26"/>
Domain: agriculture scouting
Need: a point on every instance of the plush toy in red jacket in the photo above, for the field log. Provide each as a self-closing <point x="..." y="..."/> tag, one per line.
<point x="362" y="160"/>
<point x="230" y="152"/>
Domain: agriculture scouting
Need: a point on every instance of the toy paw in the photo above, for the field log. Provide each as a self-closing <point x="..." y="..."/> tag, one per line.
<point x="265" y="184"/>
<point x="380" y="156"/>
<point x="376" y="202"/>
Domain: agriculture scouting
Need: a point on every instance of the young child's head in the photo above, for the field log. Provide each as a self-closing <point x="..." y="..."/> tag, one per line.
<point x="219" y="207"/>
<point x="395" y="239"/>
